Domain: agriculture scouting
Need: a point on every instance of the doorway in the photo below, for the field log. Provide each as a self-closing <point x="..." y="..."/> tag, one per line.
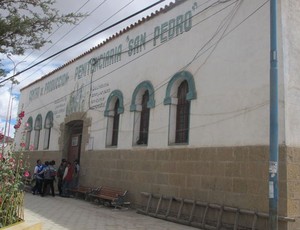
<point x="74" y="141"/>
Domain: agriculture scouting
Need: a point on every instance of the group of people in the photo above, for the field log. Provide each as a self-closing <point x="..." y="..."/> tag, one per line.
<point x="45" y="175"/>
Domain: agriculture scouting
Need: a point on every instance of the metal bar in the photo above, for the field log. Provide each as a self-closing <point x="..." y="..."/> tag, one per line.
<point x="180" y="208"/>
<point x="149" y="202"/>
<point x="192" y="211"/>
<point x="236" y="220"/>
<point x="158" y="205"/>
<point x="273" y="160"/>
<point x="254" y="222"/>
<point x="169" y="207"/>
<point x="219" y="223"/>
<point x="204" y="215"/>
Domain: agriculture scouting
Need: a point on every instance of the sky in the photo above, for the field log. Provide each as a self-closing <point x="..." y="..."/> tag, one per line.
<point x="101" y="14"/>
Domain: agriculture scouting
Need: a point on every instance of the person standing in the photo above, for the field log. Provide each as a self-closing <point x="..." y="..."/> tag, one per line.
<point x="38" y="175"/>
<point x="48" y="179"/>
<point x="60" y="174"/>
<point x="76" y="174"/>
<point x="67" y="179"/>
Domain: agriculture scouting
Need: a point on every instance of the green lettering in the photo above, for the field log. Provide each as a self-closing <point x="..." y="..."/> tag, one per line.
<point x="188" y="21"/>
<point x="130" y="47"/>
<point x="156" y="34"/>
<point x="136" y="45"/>
<point x="119" y="52"/>
<point x="171" y="32"/>
<point x="179" y="24"/>
<point x="163" y="34"/>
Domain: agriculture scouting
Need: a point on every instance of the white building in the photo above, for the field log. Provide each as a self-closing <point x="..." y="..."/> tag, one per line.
<point x="178" y="104"/>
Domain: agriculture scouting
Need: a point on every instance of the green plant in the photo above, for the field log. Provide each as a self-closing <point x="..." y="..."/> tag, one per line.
<point x="12" y="173"/>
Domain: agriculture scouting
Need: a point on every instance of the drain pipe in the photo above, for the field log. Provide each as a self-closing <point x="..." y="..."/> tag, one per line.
<point x="273" y="159"/>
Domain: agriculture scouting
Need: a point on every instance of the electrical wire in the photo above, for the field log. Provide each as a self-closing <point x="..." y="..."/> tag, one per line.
<point x="118" y="11"/>
<point x="138" y="57"/>
<point x="218" y="41"/>
<point x="79" y="39"/>
<point x="125" y="64"/>
<point x="240" y="111"/>
<point x="146" y="37"/>
<point x="83" y="40"/>
<point x="57" y="29"/>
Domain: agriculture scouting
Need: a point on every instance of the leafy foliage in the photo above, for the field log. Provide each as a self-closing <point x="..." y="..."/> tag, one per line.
<point x="11" y="193"/>
<point x="24" y="24"/>
<point x="13" y="170"/>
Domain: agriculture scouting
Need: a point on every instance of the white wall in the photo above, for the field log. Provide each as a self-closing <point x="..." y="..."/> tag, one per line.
<point x="231" y="79"/>
<point x="291" y="44"/>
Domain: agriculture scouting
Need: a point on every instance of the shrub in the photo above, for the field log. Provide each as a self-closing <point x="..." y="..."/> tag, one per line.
<point x="12" y="172"/>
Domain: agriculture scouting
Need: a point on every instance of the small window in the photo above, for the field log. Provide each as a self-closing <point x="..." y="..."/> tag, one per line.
<point x="114" y="107"/>
<point x="141" y="103"/>
<point x="180" y="91"/>
<point x="115" y="130"/>
<point x="37" y="131"/>
<point x="48" y="126"/>
<point x="144" y="123"/>
<point x="28" y="132"/>
<point x="182" y="114"/>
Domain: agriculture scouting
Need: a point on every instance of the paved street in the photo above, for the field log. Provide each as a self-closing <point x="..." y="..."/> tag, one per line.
<point x="57" y="213"/>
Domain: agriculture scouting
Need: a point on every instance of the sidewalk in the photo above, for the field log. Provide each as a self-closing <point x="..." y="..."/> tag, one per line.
<point x="57" y="213"/>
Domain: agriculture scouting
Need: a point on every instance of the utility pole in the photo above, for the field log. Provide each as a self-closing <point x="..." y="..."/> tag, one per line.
<point x="8" y="113"/>
<point x="273" y="159"/>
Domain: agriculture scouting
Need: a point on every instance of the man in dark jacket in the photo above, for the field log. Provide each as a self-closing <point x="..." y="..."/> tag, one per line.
<point x="60" y="174"/>
<point x="39" y="177"/>
<point x="48" y="178"/>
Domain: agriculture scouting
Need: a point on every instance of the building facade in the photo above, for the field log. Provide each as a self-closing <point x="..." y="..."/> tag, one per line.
<point x="178" y="104"/>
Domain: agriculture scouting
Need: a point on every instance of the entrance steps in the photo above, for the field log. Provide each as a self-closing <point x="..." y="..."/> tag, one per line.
<point x="204" y="215"/>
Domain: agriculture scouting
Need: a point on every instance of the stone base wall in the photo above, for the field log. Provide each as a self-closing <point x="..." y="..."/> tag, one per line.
<point x="293" y="185"/>
<point x="230" y="176"/>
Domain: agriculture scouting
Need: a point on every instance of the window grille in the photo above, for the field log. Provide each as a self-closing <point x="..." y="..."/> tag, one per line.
<point x="144" y="125"/>
<point x="115" y="130"/>
<point x="182" y="114"/>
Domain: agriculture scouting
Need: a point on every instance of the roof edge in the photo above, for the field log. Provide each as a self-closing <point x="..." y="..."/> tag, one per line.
<point x="164" y="9"/>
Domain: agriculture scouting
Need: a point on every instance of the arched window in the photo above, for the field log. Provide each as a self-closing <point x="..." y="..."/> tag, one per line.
<point x="182" y="114"/>
<point x="141" y="103"/>
<point x="144" y="124"/>
<point x="114" y="107"/>
<point x="28" y="132"/>
<point x="37" y="131"/>
<point x="115" y="130"/>
<point x="48" y="125"/>
<point x="180" y="92"/>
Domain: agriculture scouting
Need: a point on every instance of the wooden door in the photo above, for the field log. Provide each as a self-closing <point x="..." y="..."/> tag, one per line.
<point x="74" y="147"/>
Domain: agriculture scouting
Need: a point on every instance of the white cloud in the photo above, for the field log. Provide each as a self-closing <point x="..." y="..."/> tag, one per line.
<point x="8" y="113"/>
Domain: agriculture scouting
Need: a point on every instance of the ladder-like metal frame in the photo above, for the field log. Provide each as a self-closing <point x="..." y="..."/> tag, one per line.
<point x="176" y="215"/>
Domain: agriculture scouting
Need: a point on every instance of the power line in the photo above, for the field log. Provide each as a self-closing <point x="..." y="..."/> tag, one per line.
<point x="184" y="67"/>
<point x="79" y="40"/>
<point x="125" y="64"/>
<point x="242" y="111"/>
<point x="54" y="33"/>
<point x="83" y="40"/>
<point x="213" y="4"/>
<point x="122" y="8"/>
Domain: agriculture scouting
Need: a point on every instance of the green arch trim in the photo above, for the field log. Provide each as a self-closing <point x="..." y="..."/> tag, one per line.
<point x="181" y="76"/>
<point x="37" y="119"/>
<point x="50" y="116"/>
<point x="29" y="122"/>
<point x="143" y="85"/>
<point x="119" y="95"/>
